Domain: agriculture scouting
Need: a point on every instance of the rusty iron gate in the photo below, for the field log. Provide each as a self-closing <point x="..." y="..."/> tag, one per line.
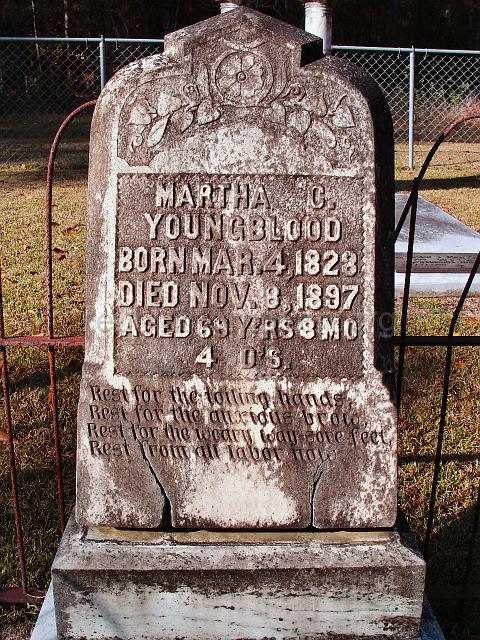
<point x="24" y="592"/>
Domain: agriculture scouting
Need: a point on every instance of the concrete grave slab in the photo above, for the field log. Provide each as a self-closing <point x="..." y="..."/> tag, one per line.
<point x="46" y="626"/>
<point x="444" y="251"/>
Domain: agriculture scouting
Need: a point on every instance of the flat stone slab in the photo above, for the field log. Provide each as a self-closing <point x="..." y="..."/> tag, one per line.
<point x="443" y="244"/>
<point x="46" y="626"/>
<point x="444" y="251"/>
<point x="311" y="586"/>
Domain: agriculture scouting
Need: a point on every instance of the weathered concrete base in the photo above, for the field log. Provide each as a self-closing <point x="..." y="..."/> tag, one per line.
<point x="113" y="585"/>
<point x="436" y="285"/>
<point x="46" y="626"/>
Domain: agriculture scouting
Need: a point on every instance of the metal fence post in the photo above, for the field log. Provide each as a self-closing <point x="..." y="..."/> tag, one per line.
<point x="411" y="108"/>
<point x="101" y="48"/>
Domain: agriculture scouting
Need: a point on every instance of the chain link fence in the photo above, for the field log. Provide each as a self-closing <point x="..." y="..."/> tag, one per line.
<point x="426" y="89"/>
<point x="437" y="103"/>
<point x="391" y="70"/>
<point x="42" y="79"/>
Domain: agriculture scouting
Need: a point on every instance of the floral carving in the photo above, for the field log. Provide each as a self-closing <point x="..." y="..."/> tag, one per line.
<point x="243" y="78"/>
<point x="342" y="115"/>
<point x="240" y="78"/>
<point x="151" y="122"/>
<point x="294" y="108"/>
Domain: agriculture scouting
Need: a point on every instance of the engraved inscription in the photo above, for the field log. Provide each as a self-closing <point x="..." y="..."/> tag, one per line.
<point x="251" y="276"/>
<point x="228" y="424"/>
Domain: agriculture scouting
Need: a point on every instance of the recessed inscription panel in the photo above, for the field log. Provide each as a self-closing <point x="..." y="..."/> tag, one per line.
<point x="436" y="262"/>
<point x="249" y="276"/>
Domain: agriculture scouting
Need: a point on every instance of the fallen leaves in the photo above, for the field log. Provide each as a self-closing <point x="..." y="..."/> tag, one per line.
<point x="60" y="253"/>
<point x="4" y="437"/>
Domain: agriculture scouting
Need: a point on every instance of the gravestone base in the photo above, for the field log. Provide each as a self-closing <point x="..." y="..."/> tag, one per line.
<point x="117" y="585"/>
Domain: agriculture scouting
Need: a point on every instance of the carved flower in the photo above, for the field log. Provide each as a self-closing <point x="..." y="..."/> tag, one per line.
<point x="241" y="77"/>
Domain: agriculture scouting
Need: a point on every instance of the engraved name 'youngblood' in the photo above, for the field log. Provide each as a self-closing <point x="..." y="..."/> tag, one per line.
<point x="254" y="228"/>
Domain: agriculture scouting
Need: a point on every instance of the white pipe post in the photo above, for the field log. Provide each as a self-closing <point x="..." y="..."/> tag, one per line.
<point x="228" y="6"/>
<point x="411" y="109"/>
<point x="318" y="20"/>
<point x="103" y="72"/>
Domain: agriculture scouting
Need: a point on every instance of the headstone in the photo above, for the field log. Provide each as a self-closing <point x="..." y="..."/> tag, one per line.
<point x="240" y="278"/>
<point x="444" y="251"/>
<point x="236" y="395"/>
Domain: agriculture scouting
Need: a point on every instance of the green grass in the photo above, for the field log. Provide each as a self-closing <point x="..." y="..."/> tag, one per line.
<point x="452" y="181"/>
<point x="452" y="184"/>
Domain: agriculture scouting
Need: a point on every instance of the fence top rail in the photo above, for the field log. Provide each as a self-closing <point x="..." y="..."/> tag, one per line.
<point x="335" y="47"/>
<point x="348" y="47"/>
<point x="86" y="40"/>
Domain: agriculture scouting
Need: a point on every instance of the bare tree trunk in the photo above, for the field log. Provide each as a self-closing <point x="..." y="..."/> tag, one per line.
<point x="65" y="17"/>
<point x="177" y="13"/>
<point x="391" y="22"/>
<point x="34" y="20"/>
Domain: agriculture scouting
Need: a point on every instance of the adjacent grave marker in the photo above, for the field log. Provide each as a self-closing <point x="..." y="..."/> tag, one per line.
<point x="444" y="252"/>
<point x="240" y="272"/>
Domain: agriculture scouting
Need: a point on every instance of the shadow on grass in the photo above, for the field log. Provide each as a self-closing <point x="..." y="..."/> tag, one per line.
<point x="28" y="139"/>
<point x="458" y="479"/>
<point x="38" y="504"/>
<point x="64" y="170"/>
<point x="460" y="182"/>
<point x="40" y="378"/>
<point x="454" y="589"/>
<point x="449" y="457"/>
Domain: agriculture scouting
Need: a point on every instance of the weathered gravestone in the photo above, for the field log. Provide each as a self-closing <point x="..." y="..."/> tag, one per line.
<point x="240" y="223"/>
<point x="240" y="283"/>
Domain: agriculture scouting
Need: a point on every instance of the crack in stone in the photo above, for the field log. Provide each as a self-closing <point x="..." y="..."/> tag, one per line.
<point x="167" y="509"/>
<point x="316" y="479"/>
